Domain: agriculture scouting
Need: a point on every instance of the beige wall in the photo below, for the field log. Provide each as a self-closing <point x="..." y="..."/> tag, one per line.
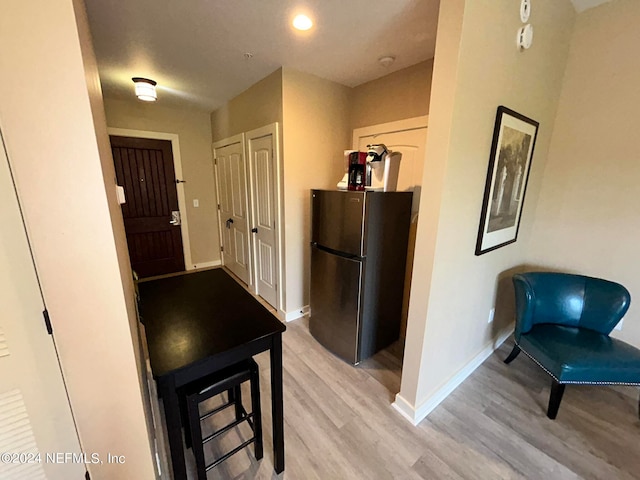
<point x="259" y="105"/>
<point x="194" y="130"/>
<point x="314" y="118"/>
<point x="399" y="95"/>
<point x="477" y="68"/>
<point x="80" y="255"/>
<point x="588" y="216"/>
<point x="316" y="132"/>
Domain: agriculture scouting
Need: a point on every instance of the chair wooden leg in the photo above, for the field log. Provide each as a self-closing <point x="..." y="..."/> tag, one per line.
<point x="557" y="389"/>
<point x="235" y="397"/>
<point x="238" y="402"/>
<point x="514" y="353"/>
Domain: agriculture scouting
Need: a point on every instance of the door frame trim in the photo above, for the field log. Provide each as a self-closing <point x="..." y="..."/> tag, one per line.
<point x="413" y="123"/>
<point x="177" y="168"/>
<point x="273" y="130"/>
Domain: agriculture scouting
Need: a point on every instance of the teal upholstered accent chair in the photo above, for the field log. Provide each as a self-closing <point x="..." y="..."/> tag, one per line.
<point x="563" y="324"/>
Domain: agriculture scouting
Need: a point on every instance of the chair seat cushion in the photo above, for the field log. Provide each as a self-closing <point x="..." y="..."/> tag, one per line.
<point x="579" y="355"/>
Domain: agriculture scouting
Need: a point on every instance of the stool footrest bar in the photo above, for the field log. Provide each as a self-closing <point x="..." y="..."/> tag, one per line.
<point x="232" y="452"/>
<point x="217" y="433"/>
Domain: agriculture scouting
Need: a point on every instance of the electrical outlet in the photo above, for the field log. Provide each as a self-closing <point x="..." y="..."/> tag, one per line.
<point x="619" y="325"/>
<point x="492" y="312"/>
<point x="196" y="203"/>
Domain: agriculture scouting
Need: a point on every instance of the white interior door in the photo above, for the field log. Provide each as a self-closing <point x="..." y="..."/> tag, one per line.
<point x="408" y="137"/>
<point x="260" y="150"/>
<point x="231" y="174"/>
<point x="35" y="415"/>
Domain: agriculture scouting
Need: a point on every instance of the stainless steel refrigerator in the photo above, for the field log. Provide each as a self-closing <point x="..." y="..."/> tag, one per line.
<point x="358" y="255"/>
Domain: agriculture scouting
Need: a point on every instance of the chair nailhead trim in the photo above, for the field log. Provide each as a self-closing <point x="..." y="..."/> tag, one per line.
<point x="574" y="382"/>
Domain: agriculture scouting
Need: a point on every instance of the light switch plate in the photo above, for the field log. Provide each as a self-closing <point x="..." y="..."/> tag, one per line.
<point x="196" y="203"/>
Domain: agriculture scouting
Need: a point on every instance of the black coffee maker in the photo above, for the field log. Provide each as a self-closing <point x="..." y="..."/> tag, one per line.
<point x="357" y="171"/>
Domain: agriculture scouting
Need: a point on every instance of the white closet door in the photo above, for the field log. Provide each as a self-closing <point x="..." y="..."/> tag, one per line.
<point x="231" y="174"/>
<point x="260" y="149"/>
<point x="35" y="416"/>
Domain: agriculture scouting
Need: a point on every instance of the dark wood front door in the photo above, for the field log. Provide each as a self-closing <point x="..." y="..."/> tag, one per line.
<point x="144" y="167"/>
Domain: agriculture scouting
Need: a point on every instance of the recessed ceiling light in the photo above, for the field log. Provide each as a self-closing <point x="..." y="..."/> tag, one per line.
<point x="302" y="22"/>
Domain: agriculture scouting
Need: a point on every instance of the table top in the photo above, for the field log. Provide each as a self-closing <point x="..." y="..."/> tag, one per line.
<point x="191" y="317"/>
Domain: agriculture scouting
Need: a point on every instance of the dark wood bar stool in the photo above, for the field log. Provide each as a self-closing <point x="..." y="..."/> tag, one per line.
<point x="228" y="380"/>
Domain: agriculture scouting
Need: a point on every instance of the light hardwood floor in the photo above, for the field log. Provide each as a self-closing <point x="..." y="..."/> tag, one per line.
<point x="339" y="424"/>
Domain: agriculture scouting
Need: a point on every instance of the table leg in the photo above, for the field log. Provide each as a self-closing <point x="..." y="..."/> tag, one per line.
<point x="277" y="403"/>
<point x="167" y="391"/>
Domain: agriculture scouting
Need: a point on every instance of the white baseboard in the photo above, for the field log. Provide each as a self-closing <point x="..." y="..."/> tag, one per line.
<point x="293" y="314"/>
<point x="404" y="408"/>
<point x="416" y="415"/>
<point x="214" y="263"/>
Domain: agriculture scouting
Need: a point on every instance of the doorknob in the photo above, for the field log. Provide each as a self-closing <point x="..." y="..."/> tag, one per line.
<point x="254" y="230"/>
<point x="229" y="222"/>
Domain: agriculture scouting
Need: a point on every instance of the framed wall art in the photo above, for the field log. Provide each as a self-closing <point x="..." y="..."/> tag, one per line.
<point x="514" y="137"/>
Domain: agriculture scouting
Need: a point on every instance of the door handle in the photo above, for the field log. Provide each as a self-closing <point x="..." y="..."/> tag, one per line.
<point x="254" y="230"/>
<point x="229" y="222"/>
<point x="175" y="218"/>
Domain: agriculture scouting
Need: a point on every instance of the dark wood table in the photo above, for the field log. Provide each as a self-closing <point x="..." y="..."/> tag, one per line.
<point x="199" y="323"/>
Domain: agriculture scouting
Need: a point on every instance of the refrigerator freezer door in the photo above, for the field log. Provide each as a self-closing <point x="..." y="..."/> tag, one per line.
<point x="338" y="221"/>
<point x="335" y="303"/>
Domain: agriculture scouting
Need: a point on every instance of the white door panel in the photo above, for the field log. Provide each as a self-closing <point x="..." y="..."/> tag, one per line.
<point x="35" y="415"/>
<point x="234" y="222"/>
<point x="411" y="143"/>
<point x="263" y="174"/>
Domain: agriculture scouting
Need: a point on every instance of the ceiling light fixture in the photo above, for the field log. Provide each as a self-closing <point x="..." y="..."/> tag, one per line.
<point x="386" y="61"/>
<point x="302" y="22"/>
<point x="145" y="89"/>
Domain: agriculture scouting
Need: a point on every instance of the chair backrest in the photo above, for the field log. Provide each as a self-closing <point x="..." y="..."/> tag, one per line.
<point x="566" y="299"/>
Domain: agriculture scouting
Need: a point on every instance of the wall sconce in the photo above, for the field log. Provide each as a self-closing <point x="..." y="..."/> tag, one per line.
<point x="145" y="89"/>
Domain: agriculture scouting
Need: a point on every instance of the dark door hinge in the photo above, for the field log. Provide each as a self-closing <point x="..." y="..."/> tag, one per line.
<point x="218" y="206"/>
<point x="47" y="321"/>
<point x="222" y="249"/>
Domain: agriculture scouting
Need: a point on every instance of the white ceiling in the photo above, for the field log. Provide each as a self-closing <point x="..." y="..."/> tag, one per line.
<point x="195" y="49"/>
<point x="582" y="5"/>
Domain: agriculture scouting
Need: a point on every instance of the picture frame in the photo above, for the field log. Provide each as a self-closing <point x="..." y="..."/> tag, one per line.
<point x="514" y="139"/>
